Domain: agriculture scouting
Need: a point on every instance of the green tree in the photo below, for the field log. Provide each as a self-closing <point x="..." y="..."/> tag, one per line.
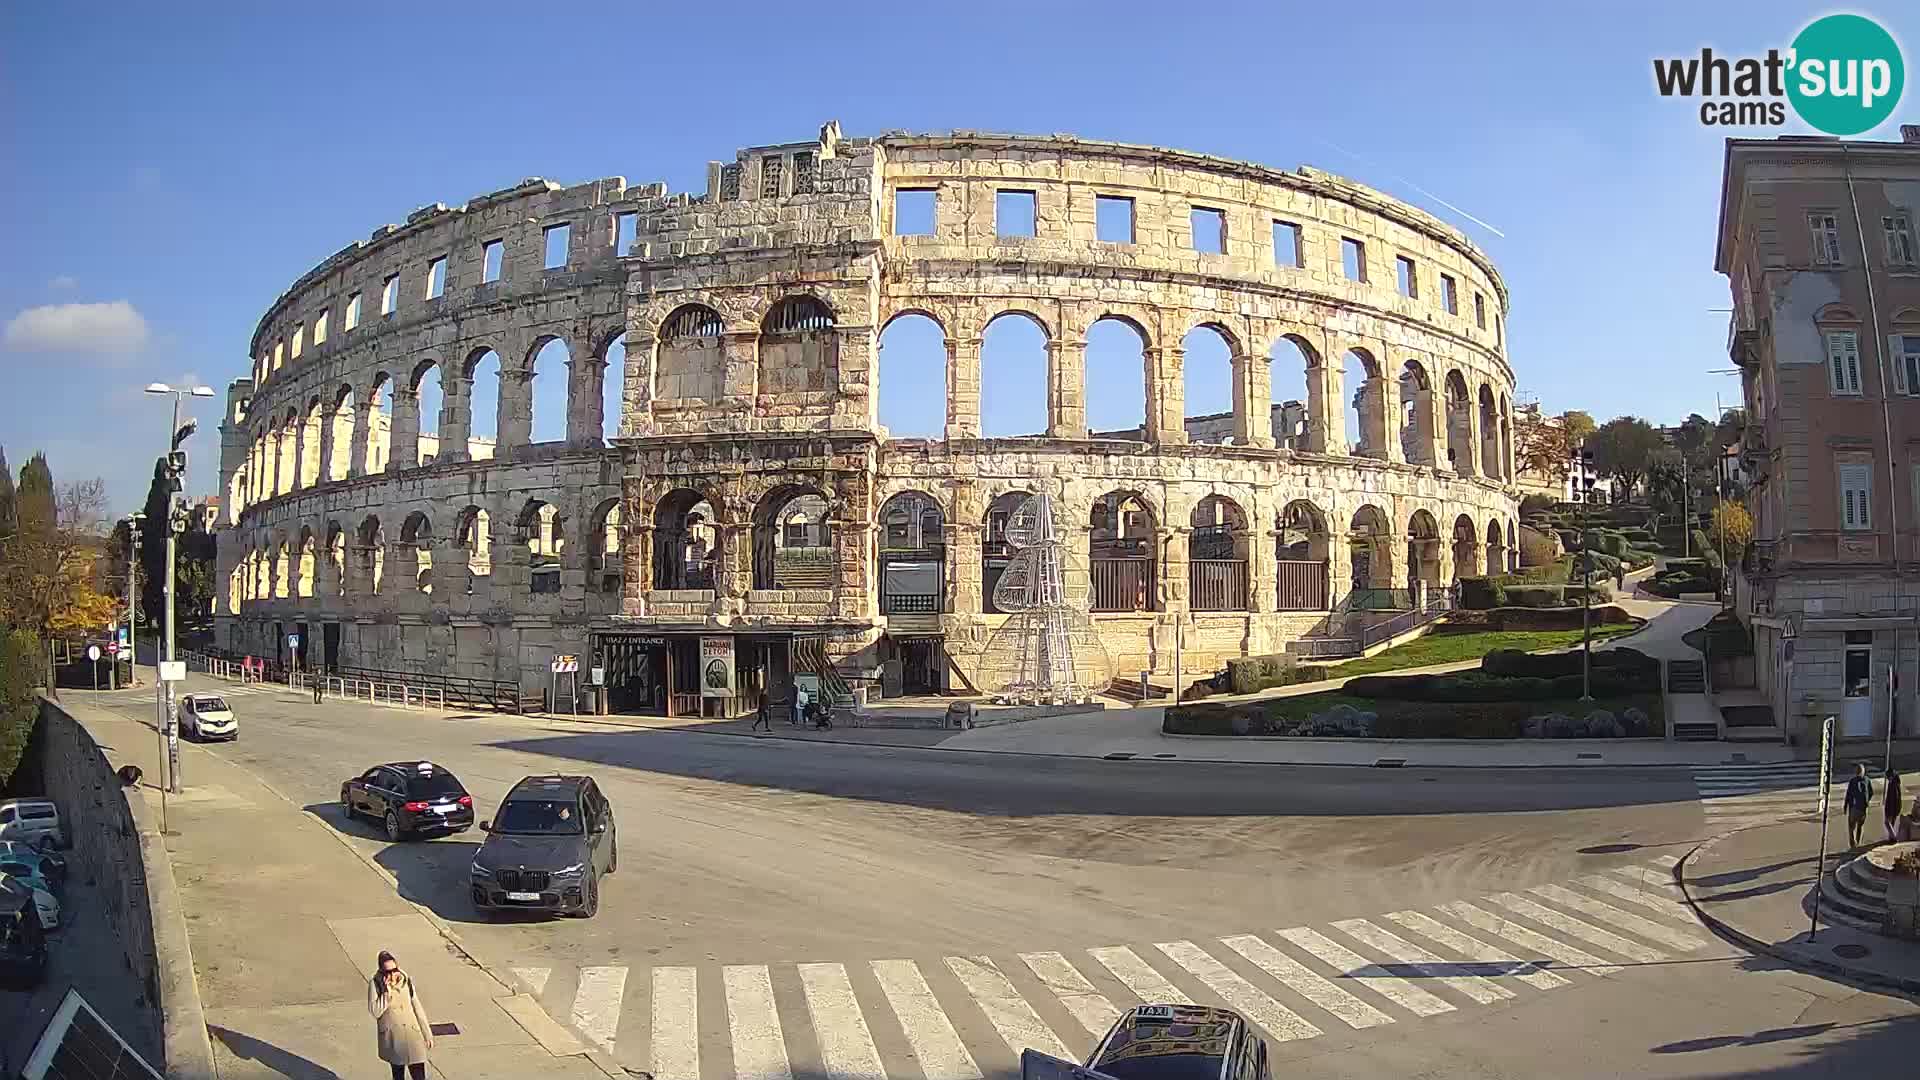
<point x="1623" y="449"/>
<point x="19" y="674"/>
<point x="7" y="516"/>
<point x="1664" y="482"/>
<point x="1732" y="527"/>
<point x="47" y="570"/>
<point x="1577" y="424"/>
<point x="33" y="503"/>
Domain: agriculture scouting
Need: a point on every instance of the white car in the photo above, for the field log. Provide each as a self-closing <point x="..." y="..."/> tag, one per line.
<point x="27" y="820"/>
<point x="45" y="904"/>
<point x="206" y="716"/>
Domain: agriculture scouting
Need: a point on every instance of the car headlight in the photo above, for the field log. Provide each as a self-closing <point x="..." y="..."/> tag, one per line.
<point x="570" y="871"/>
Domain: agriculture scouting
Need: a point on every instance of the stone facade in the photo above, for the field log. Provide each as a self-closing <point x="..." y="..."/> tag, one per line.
<point x="751" y="317"/>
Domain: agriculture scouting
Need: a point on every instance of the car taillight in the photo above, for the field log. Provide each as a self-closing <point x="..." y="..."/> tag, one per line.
<point x="414" y="807"/>
<point x="466" y="800"/>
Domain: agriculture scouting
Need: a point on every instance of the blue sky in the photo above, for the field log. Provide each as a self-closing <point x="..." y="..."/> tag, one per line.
<point x="173" y="167"/>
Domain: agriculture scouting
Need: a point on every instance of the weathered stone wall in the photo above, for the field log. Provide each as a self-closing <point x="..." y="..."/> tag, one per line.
<point x="751" y="315"/>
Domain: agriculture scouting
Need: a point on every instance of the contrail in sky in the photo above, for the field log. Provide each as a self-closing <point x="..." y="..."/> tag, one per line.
<point x="1477" y="221"/>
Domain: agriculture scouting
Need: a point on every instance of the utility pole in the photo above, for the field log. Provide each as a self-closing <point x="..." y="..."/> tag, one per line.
<point x="1582" y="493"/>
<point x="133" y="569"/>
<point x="175" y="465"/>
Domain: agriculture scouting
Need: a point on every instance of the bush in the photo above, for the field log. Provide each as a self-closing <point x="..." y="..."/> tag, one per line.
<point x="1535" y="504"/>
<point x="1481" y="593"/>
<point x="1248" y="674"/>
<point x="21" y="671"/>
<point x="1637" y="535"/>
<point x="1536" y="595"/>
<point x="1699" y="538"/>
<point x="1602" y="593"/>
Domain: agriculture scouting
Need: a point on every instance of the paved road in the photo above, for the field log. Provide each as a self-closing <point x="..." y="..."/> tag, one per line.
<point x="847" y="909"/>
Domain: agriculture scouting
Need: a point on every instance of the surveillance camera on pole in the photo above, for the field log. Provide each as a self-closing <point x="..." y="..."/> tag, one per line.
<point x="175" y="468"/>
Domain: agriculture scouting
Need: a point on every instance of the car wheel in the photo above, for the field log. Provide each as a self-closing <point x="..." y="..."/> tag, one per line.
<point x="393" y="827"/>
<point x="346" y="804"/>
<point x="613" y="859"/>
<point x="592" y="907"/>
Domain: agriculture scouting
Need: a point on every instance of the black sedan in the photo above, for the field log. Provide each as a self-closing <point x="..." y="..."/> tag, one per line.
<point x="409" y="798"/>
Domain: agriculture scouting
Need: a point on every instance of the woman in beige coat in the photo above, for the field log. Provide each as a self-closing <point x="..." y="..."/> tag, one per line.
<point x="399" y="1020"/>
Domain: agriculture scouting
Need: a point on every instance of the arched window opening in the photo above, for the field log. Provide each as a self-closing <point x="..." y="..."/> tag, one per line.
<point x="1123" y="545"/>
<point x="1294" y="394"/>
<point x="1116" y="380"/>
<point x="1370" y="560"/>
<point x="913" y="553"/>
<point x="913" y="378"/>
<point x="799" y="352"/>
<point x="1301" y="558"/>
<point x="1489" y="434"/>
<point x="995" y="552"/>
<point x="1208" y="383"/>
<point x="341" y="430"/>
<point x="282" y="571"/>
<point x="606" y="569"/>
<point x="1366" y="415"/>
<point x="236" y="587"/>
<point x="547" y="393"/>
<point x="1013" y="377"/>
<point x="1416" y="430"/>
<point x="613" y="388"/>
<point x="1466" y="548"/>
<point x="416" y="537"/>
<point x="379" y="420"/>
<point x="539" y="531"/>
<point x="692" y="362"/>
<point x="684" y="541"/>
<point x="428" y="399"/>
<point x="1217" y="555"/>
<point x="475" y="533"/>
<point x="373" y="554"/>
<point x="1423" y="549"/>
<point x="483" y="405"/>
<point x="289" y="452"/>
<point x="1506" y="442"/>
<point x="792" y="541"/>
<point x="1459" y="425"/>
<point x="1496" y="548"/>
<point x="303" y="574"/>
<point x="337" y="557"/>
<point x="310" y="443"/>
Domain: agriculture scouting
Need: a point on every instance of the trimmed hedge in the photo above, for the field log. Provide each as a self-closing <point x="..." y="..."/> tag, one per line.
<point x="1509" y="675"/>
<point x="1519" y="618"/>
<point x="1246" y="674"/>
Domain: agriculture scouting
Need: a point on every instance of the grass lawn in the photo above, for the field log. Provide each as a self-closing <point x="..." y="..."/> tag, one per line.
<point x="1407" y="719"/>
<point x="1441" y="647"/>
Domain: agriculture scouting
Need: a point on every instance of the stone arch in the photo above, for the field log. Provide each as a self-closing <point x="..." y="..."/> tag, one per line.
<point x="473" y="530"/>
<point x="1459" y="424"/>
<point x="799" y="349"/>
<point x="612" y="354"/>
<point x="1207" y="372"/>
<point x="1506" y="442"/>
<point x="309" y="442"/>
<point x="691" y="361"/>
<point x="378" y="435"/>
<point x="1423" y="549"/>
<point x="685" y="539"/>
<point x="539" y="532"/>
<point x="1014" y="349"/>
<point x="995" y="552"/>
<point x="1366" y="419"/>
<point x="540" y="396"/>
<point x="336" y="556"/>
<point x="482" y="374"/>
<point x="912" y="548"/>
<point x="914" y="361"/>
<point x="1295" y="394"/>
<point x="1369" y="539"/>
<point x="304" y="569"/>
<point x="793" y="539"/>
<point x="1218" y="543"/>
<point x="1115" y="377"/>
<point x="1416" y="428"/>
<point x="1466" y="548"/>
<point x="340" y="437"/>
<point x="1489" y="434"/>
<point x="429" y="399"/>
<point x="282" y="568"/>
<point x="372" y="549"/>
<point x="1123" y="548"/>
<point x="416" y="539"/>
<point x="1302" y="550"/>
<point x="605" y="541"/>
<point x="1496" y="548"/>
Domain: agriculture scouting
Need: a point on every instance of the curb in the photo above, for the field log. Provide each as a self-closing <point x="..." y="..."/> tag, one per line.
<point x="507" y="983"/>
<point x="183" y="1020"/>
<point x="1797" y="961"/>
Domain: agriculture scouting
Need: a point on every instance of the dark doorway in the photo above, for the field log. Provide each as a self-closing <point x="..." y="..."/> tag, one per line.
<point x="331" y="657"/>
<point x="921" y="664"/>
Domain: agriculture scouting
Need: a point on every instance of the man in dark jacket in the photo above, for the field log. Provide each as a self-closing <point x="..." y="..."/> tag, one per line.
<point x="1859" y="796"/>
<point x="1893" y="805"/>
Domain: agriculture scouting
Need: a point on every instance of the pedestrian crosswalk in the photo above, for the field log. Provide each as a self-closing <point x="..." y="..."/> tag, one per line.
<point x="1736" y="796"/>
<point x="961" y="1017"/>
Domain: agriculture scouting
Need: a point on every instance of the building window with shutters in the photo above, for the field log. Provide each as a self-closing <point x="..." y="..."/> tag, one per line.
<point x="1906" y="362"/>
<point x="1856" y="496"/>
<point x="803" y="173"/>
<point x="1899" y="233"/>
<point x="1826" y="238"/>
<point x="1843" y="361"/>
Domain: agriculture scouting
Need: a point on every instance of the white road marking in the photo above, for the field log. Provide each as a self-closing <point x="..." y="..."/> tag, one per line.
<point x="535" y="978"/>
<point x="1087" y="1004"/>
<point x="1566" y="924"/>
<point x="596" y="1004"/>
<point x="1526" y="938"/>
<point x="1006" y="1010"/>
<point x="1147" y="984"/>
<point x="1478" y="951"/>
<point x="1306" y="982"/>
<point x="1421" y="962"/>
<point x="846" y="1046"/>
<point x="936" y="1045"/>
<point x="1625" y="920"/>
<point x="1658" y="904"/>
<point x="676" y="1024"/>
<point x="1281" y="1022"/>
<point x="759" y="1046"/>
<point x="1665" y="860"/>
<point x="1352" y="965"/>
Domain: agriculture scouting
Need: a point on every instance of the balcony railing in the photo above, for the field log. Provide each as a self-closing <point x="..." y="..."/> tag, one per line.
<point x="1301" y="585"/>
<point x="1218" y="584"/>
<point x="1122" y="584"/>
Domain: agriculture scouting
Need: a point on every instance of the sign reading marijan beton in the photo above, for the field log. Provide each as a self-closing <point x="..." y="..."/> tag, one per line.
<point x="716" y="667"/>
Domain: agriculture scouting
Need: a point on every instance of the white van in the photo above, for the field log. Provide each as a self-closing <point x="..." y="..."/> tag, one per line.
<point x="28" y="820"/>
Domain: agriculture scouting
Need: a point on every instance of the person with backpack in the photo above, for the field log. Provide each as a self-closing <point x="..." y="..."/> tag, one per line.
<point x="1859" y="797"/>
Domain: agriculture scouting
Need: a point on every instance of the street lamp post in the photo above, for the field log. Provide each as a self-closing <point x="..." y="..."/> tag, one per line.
<point x="1583" y="481"/>
<point x="133" y="563"/>
<point x="176" y="467"/>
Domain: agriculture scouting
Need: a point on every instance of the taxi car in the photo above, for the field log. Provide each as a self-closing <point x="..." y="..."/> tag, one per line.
<point x="1165" y="1042"/>
<point x="409" y="798"/>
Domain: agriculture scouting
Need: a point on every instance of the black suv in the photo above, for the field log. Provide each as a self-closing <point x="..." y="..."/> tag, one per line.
<point x="546" y="848"/>
<point x="409" y="798"/>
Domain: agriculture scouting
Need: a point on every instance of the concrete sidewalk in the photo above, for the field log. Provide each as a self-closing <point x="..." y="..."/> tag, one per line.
<point x="285" y="919"/>
<point x="1752" y="887"/>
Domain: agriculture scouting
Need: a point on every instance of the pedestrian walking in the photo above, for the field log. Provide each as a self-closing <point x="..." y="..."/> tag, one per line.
<point x="404" y="1033"/>
<point x="763" y="716"/>
<point x="1620" y="578"/>
<point x="319" y="686"/>
<point x="1892" y="800"/>
<point x="1859" y="797"/>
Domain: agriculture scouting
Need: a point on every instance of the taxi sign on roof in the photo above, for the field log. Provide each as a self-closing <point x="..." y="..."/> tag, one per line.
<point x="1153" y="1012"/>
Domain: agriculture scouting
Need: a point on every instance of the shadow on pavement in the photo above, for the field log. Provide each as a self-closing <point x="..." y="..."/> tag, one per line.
<point x="1883" y="1045"/>
<point x="432" y="871"/>
<point x="280" y="1061"/>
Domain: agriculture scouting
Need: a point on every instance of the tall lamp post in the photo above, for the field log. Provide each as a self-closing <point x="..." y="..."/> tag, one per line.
<point x="1581" y="475"/>
<point x="134" y="521"/>
<point x="176" y="523"/>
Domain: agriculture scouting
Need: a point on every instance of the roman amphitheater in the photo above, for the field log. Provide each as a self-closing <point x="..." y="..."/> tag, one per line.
<point x="741" y="497"/>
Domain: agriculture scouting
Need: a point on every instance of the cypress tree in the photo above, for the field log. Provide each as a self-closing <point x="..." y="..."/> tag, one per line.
<point x="33" y="502"/>
<point x="7" y="516"/>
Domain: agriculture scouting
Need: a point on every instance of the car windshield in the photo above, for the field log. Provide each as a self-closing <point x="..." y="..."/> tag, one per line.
<point x="1163" y="1067"/>
<point x="210" y="704"/>
<point x="37" y="813"/>
<point x="433" y="785"/>
<point x="539" y="817"/>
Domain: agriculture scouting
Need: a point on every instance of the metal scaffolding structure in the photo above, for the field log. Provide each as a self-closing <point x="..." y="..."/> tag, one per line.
<point x="1047" y="652"/>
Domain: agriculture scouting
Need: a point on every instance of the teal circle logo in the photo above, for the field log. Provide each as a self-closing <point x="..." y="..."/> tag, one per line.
<point x="1847" y="74"/>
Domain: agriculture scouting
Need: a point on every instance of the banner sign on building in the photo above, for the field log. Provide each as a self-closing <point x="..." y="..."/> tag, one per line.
<point x="716" y="667"/>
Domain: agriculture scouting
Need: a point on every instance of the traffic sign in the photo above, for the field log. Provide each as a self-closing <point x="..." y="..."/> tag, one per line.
<point x="113" y="648"/>
<point x="563" y="665"/>
<point x="93" y="653"/>
<point x="293" y="641"/>
<point x="173" y="671"/>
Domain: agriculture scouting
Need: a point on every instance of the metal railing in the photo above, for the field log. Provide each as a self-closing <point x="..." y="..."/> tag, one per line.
<point x="1300" y="585"/>
<point x="374" y="684"/>
<point x="909" y="603"/>
<point x="1218" y="584"/>
<point x="1437" y="604"/>
<point x="1122" y="584"/>
<point x="1378" y="600"/>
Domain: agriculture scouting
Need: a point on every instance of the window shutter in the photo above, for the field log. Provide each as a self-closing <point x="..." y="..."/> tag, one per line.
<point x="1837" y="361"/>
<point x="1900" y="384"/>
<point x="1856" y="496"/>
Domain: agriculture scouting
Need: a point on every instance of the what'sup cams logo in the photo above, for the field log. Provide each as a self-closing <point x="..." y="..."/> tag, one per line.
<point x="1843" y="75"/>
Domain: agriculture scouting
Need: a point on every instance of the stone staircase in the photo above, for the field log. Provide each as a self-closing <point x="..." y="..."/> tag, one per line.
<point x="804" y="575"/>
<point x="1686" y="676"/>
<point x="1856" y="894"/>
